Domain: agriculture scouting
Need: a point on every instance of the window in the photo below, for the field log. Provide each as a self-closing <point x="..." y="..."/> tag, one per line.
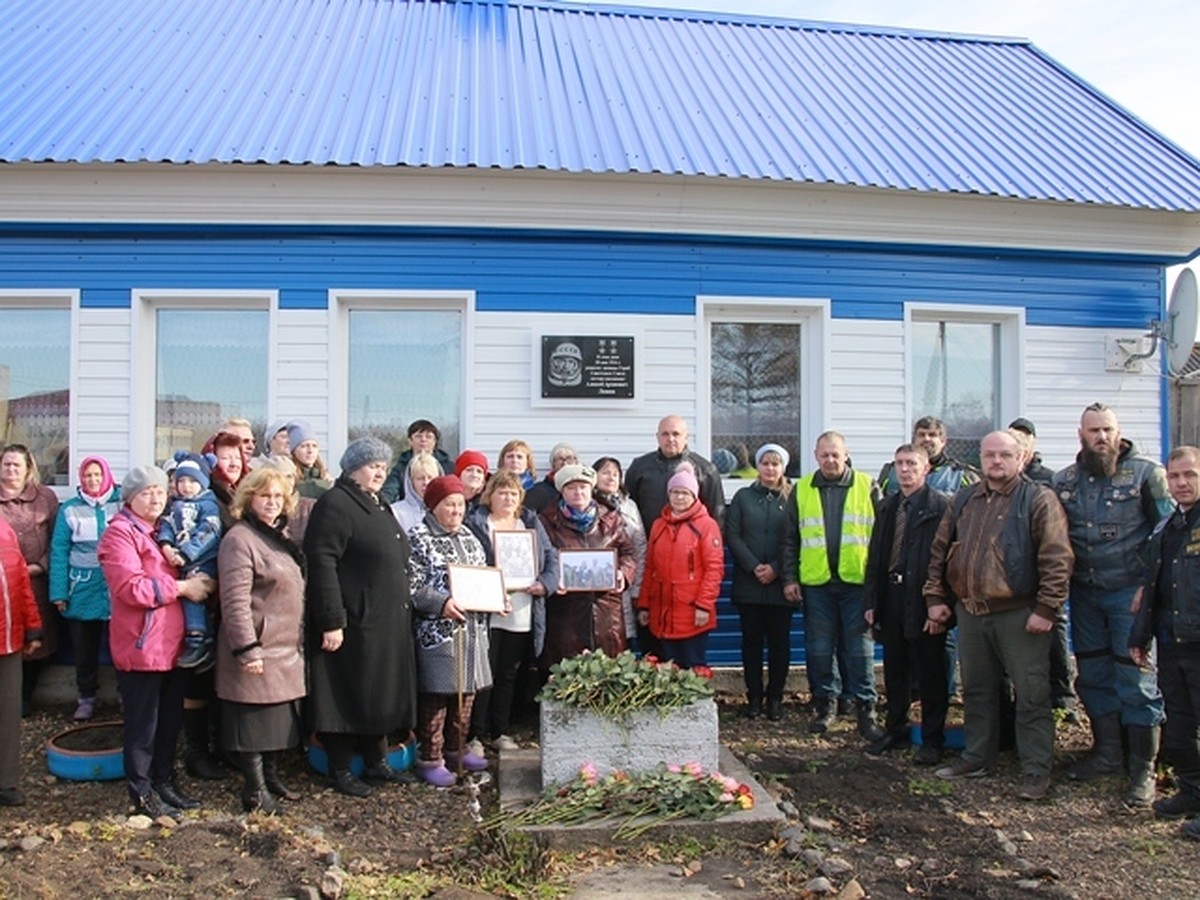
<point x="404" y="360"/>
<point x="965" y="371"/>
<point x="756" y="395"/>
<point x="211" y="366"/>
<point x="35" y="376"/>
<point x="211" y="361"/>
<point x="766" y="360"/>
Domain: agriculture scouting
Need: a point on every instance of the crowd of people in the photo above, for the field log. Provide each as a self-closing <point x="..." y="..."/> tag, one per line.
<point x="253" y="600"/>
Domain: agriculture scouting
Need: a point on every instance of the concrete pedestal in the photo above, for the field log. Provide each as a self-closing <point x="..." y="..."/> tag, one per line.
<point x="639" y="742"/>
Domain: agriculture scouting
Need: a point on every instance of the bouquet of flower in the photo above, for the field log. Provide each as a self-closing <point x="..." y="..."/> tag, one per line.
<point x="615" y="686"/>
<point x="638" y="801"/>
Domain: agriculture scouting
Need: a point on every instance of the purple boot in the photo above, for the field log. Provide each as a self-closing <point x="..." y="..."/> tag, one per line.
<point x="470" y="761"/>
<point x="434" y="772"/>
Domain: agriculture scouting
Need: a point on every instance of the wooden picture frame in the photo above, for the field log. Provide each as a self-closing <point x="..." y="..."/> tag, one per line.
<point x="587" y="570"/>
<point x="477" y="588"/>
<point x="516" y="557"/>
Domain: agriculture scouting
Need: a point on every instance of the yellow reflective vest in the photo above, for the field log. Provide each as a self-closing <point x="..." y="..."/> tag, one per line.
<point x="858" y="517"/>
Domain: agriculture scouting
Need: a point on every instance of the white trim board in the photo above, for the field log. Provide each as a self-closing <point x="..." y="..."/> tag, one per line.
<point x="658" y="204"/>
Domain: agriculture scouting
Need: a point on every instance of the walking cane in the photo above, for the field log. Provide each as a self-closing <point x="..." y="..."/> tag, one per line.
<point x="458" y="678"/>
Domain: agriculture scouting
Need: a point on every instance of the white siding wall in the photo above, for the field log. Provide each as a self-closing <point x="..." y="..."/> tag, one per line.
<point x="301" y="388"/>
<point x="504" y="371"/>
<point x="101" y="396"/>
<point x="1064" y="372"/>
<point x="864" y="392"/>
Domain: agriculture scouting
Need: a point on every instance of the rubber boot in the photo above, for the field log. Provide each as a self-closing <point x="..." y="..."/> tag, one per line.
<point x="197" y="758"/>
<point x="255" y="796"/>
<point x="1143" y="755"/>
<point x="1106" y="757"/>
<point x="868" y="728"/>
<point x="271" y="777"/>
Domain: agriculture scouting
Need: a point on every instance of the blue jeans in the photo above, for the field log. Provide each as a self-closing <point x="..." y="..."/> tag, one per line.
<point x="834" y="616"/>
<point x="197" y="623"/>
<point x="1109" y="682"/>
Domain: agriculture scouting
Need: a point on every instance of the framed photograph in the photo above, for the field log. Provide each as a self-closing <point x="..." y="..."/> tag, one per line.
<point x="516" y="557"/>
<point x="477" y="588"/>
<point x="588" y="570"/>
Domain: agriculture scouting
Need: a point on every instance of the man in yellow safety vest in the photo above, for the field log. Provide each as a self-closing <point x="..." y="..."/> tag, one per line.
<point x="825" y="564"/>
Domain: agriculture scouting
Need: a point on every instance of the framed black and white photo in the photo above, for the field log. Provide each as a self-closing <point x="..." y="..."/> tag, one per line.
<point x="515" y="557"/>
<point x="477" y="588"/>
<point x="587" y="570"/>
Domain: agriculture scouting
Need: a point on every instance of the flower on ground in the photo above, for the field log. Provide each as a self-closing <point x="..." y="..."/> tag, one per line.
<point x="639" y="801"/>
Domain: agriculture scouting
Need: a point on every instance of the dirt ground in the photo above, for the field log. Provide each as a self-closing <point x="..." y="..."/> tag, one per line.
<point x="883" y="825"/>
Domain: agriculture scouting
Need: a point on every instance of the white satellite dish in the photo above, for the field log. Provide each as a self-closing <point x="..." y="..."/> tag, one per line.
<point x="1183" y="322"/>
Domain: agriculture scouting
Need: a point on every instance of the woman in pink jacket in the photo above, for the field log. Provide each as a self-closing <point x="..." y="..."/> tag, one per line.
<point x="20" y="635"/>
<point x="145" y="639"/>
<point x="685" y="559"/>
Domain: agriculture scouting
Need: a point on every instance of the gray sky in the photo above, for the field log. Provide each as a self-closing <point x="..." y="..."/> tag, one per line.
<point x="1142" y="54"/>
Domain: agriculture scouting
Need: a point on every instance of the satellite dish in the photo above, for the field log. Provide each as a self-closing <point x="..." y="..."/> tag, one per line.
<point x="1183" y="322"/>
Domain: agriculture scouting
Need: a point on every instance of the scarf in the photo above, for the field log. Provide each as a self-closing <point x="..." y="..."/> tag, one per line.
<point x="580" y="520"/>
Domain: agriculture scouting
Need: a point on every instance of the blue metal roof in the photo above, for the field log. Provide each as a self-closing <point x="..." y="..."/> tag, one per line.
<point x="567" y="87"/>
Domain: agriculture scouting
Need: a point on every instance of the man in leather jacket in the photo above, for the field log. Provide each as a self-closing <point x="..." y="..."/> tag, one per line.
<point x="1113" y="498"/>
<point x="1170" y="616"/>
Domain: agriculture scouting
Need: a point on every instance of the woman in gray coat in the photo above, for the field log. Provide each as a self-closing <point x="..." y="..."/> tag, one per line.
<point x="754" y="526"/>
<point x="260" y="641"/>
<point x="447" y="636"/>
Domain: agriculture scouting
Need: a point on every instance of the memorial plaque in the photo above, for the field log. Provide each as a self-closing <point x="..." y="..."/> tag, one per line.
<point x="587" y="367"/>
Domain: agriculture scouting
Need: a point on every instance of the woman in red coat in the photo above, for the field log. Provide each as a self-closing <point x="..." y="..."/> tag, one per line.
<point x="20" y="635"/>
<point x="684" y="563"/>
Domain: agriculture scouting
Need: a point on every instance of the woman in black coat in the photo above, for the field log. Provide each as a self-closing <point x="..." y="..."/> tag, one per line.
<point x="754" y="525"/>
<point x="362" y="675"/>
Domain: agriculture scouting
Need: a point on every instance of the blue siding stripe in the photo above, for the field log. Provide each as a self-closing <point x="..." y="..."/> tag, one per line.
<point x="638" y="275"/>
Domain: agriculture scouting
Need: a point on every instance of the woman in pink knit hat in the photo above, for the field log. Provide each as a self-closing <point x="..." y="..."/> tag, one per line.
<point x="684" y="563"/>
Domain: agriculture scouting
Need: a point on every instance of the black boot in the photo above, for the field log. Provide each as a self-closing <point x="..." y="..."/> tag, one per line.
<point x="1106" y="757"/>
<point x="197" y="757"/>
<point x="271" y="778"/>
<point x="346" y="782"/>
<point x="774" y="710"/>
<point x="169" y="790"/>
<point x="1143" y="757"/>
<point x="754" y="708"/>
<point x="823" y="716"/>
<point x="255" y="796"/>
<point x="868" y="728"/>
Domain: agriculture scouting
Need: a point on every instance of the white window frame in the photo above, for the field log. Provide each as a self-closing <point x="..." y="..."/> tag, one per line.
<point x="812" y="314"/>
<point x="144" y="341"/>
<point x="1011" y="378"/>
<point x="342" y="301"/>
<point x="57" y="298"/>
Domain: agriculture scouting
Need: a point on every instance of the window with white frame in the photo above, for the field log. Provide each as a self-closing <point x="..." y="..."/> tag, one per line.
<point x="965" y="371"/>
<point x="764" y="360"/>
<point x="35" y="378"/>
<point x="404" y="360"/>
<point x="210" y="363"/>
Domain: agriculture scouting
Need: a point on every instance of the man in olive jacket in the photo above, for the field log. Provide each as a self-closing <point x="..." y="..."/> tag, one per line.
<point x="914" y="645"/>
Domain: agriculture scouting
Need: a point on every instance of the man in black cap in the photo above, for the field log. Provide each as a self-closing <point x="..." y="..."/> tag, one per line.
<point x="1062" y="668"/>
<point x="1034" y="470"/>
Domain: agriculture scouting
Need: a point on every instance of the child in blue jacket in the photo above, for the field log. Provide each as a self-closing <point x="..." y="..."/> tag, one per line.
<point x="189" y="534"/>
